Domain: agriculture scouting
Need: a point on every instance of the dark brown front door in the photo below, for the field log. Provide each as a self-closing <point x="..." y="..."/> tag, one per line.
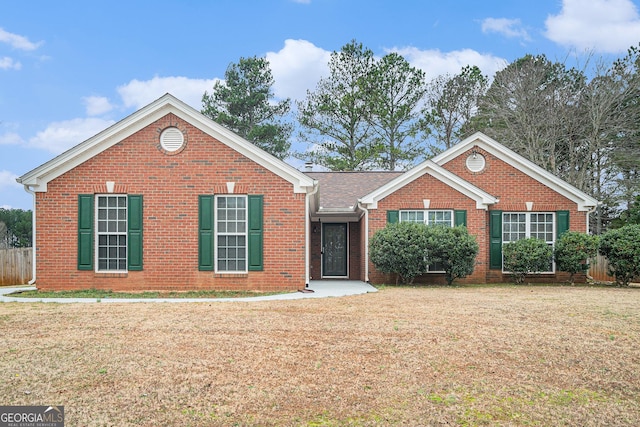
<point x="334" y="250"/>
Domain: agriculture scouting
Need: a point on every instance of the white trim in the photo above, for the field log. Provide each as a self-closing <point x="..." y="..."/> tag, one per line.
<point x="34" y="245"/>
<point x="307" y="236"/>
<point x="491" y="146"/>
<point x="527" y="231"/>
<point x="97" y="234"/>
<point x="245" y="234"/>
<point x="366" y="242"/>
<point x="482" y="198"/>
<point x="39" y="177"/>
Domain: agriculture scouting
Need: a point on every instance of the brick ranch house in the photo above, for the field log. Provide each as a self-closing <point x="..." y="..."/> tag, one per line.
<point x="168" y="199"/>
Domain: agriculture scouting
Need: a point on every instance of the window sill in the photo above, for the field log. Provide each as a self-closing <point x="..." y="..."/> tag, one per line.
<point x="108" y="274"/>
<point x="231" y="275"/>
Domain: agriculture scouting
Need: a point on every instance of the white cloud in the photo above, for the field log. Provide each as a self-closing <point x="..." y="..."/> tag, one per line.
<point x="607" y="26"/>
<point x="10" y="138"/>
<point x="8" y="180"/>
<point x="434" y="62"/>
<point x="139" y="93"/>
<point x="298" y="66"/>
<point x="7" y="63"/>
<point x="511" y="28"/>
<point x="60" y="136"/>
<point x="17" y="41"/>
<point x="97" y="105"/>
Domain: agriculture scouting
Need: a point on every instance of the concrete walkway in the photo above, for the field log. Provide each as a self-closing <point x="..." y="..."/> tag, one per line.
<point x="321" y="289"/>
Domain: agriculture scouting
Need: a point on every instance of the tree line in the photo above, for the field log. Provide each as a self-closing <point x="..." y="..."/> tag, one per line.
<point x="15" y="228"/>
<point x="382" y="114"/>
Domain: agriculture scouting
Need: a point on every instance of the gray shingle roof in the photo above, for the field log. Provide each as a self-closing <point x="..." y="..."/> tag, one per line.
<point x="343" y="189"/>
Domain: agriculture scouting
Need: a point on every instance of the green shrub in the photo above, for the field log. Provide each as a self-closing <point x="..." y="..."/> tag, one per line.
<point x="407" y="249"/>
<point x="400" y="248"/>
<point x="622" y="249"/>
<point x="573" y="250"/>
<point x="454" y="249"/>
<point x="526" y="256"/>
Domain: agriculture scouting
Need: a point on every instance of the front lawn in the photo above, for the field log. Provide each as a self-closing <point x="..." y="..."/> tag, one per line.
<point x="100" y="294"/>
<point x="469" y="356"/>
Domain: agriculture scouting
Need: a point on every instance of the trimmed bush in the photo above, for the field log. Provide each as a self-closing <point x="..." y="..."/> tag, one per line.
<point x="526" y="256"/>
<point x="407" y="249"/>
<point x="622" y="249"/>
<point x="573" y="250"/>
<point x="400" y="248"/>
<point x="454" y="249"/>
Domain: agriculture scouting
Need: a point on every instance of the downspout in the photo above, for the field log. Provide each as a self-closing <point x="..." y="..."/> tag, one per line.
<point x="33" y="236"/>
<point x="366" y="241"/>
<point x="307" y="233"/>
<point x="589" y="212"/>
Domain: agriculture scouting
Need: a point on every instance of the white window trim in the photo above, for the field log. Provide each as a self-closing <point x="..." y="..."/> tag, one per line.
<point x="426" y="219"/>
<point x="246" y="234"/>
<point x="97" y="233"/>
<point x="426" y="214"/>
<point x="528" y="234"/>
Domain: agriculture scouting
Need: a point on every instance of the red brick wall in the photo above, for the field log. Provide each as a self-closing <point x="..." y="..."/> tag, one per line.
<point x="170" y="185"/>
<point x="441" y="196"/>
<point x="354" y="250"/>
<point x="500" y="179"/>
<point x="316" y="251"/>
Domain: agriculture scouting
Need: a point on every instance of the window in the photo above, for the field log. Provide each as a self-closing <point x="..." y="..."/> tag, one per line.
<point x="428" y="217"/>
<point x="111" y="239"/>
<point x="521" y="225"/>
<point x="431" y="217"/>
<point x="231" y="233"/>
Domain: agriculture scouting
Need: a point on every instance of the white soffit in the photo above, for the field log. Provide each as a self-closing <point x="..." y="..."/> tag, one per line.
<point x="482" y="198"/>
<point x="40" y="176"/>
<point x="488" y="144"/>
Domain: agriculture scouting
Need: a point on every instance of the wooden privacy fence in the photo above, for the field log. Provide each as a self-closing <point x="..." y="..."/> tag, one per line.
<point x="598" y="270"/>
<point x="16" y="266"/>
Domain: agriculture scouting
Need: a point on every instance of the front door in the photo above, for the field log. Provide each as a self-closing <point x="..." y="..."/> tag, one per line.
<point x="334" y="250"/>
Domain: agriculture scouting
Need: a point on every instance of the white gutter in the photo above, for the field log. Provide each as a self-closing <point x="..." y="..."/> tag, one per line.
<point x="307" y="233"/>
<point x="589" y="212"/>
<point x="366" y="241"/>
<point x="33" y="235"/>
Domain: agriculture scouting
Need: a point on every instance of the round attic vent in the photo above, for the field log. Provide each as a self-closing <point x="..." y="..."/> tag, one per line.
<point x="475" y="162"/>
<point x="171" y="139"/>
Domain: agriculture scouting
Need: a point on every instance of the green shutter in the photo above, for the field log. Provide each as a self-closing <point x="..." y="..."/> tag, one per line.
<point x="495" y="242"/>
<point x="205" y="232"/>
<point x="393" y="217"/>
<point x="85" y="232"/>
<point x="255" y="203"/>
<point x="460" y="218"/>
<point x="134" y="233"/>
<point x="562" y="222"/>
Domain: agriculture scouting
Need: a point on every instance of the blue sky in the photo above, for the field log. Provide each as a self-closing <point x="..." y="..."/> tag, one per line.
<point x="69" y="69"/>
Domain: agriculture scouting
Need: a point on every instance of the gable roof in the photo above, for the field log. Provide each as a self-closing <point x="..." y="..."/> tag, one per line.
<point x="479" y="139"/>
<point x="482" y="198"/>
<point x="340" y="191"/>
<point x="39" y="177"/>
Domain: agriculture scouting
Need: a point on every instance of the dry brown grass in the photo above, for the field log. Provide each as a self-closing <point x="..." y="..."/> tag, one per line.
<point x="545" y="356"/>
